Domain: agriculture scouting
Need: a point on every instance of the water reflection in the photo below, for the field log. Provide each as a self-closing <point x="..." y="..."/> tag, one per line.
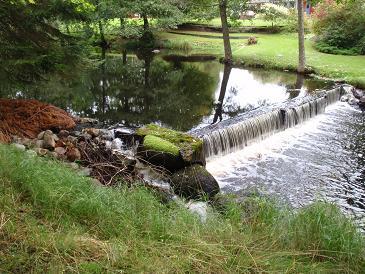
<point x="219" y="107"/>
<point x="145" y="87"/>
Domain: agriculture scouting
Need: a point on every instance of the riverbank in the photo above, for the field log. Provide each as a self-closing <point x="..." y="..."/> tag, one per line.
<point x="52" y="219"/>
<point x="277" y="51"/>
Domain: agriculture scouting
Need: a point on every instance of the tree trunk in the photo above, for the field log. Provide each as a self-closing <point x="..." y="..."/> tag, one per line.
<point x="124" y="56"/>
<point x="219" y="108"/>
<point x="225" y="31"/>
<point x="146" y="25"/>
<point x="301" y="63"/>
<point x="103" y="43"/>
<point x="121" y="23"/>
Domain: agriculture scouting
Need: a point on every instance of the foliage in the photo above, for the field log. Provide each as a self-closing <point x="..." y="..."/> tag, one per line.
<point x="340" y="27"/>
<point x="30" y="44"/>
<point x="53" y="220"/>
<point x="273" y="13"/>
<point x="291" y="22"/>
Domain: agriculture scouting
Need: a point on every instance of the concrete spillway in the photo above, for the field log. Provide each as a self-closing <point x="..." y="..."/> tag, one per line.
<point x="236" y="133"/>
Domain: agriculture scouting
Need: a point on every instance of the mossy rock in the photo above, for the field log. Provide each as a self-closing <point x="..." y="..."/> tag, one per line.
<point x="160" y="152"/>
<point x="190" y="148"/>
<point x="194" y="182"/>
<point x="152" y="142"/>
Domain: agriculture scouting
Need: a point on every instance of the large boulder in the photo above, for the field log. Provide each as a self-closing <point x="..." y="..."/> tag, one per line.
<point x="194" y="182"/>
<point x="169" y="148"/>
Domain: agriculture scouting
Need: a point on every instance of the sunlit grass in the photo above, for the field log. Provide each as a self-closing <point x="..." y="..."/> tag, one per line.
<point x="280" y="51"/>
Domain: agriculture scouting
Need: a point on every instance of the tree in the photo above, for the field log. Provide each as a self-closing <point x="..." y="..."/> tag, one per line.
<point x="225" y="31"/>
<point x="274" y="12"/>
<point x="29" y="34"/>
<point x="301" y="59"/>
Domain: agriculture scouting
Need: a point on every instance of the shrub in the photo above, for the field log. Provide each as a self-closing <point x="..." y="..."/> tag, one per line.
<point x="251" y="40"/>
<point x="340" y="28"/>
<point x="292" y="22"/>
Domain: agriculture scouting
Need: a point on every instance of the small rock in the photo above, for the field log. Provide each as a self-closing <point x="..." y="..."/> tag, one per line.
<point x="130" y="162"/>
<point x="85" y="137"/>
<point x="358" y="93"/>
<point x="60" y="150"/>
<point x="198" y="208"/>
<point x="107" y="134"/>
<point x="194" y="182"/>
<point x="87" y="121"/>
<point x="63" y="133"/>
<point x="76" y="133"/>
<point x="60" y="143"/>
<point x="71" y="139"/>
<point x="40" y="135"/>
<point x="27" y="142"/>
<point x="353" y="101"/>
<point x="52" y="154"/>
<point x="73" y="165"/>
<point x="73" y="154"/>
<point x="117" y="144"/>
<point x="39" y="144"/>
<point x="96" y="182"/>
<point x="19" y="146"/>
<point x="120" y="132"/>
<point x="125" y="134"/>
<point x="94" y="132"/>
<point x="16" y="139"/>
<point x="49" y="141"/>
<point x="85" y="172"/>
<point x="108" y="144"/>
<point x="362" y="101"/>
<point x="41" y="151"/>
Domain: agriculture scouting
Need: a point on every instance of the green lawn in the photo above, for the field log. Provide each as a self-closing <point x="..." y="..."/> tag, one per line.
<point x="279" y="51"/>
<point x="52" y="220"/>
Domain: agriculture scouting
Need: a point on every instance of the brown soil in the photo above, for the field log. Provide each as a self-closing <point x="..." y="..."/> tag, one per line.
<point x="27" y="118"/>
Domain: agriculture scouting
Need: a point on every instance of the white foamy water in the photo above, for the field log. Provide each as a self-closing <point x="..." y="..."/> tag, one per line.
<point x="322" y="158"/>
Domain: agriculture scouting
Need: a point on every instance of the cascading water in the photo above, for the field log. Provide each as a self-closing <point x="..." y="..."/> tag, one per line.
<point x="239" y="132"/>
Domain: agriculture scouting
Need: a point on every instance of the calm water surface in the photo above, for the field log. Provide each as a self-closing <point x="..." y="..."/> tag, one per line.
<point x="146" y="89"/>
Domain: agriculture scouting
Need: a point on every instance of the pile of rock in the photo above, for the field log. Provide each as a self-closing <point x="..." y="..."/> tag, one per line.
<point x="72" y="147"/>
<point x="112" y="155"/>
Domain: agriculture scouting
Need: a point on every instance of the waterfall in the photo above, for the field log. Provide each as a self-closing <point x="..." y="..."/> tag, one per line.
<point x="236" y="133"/>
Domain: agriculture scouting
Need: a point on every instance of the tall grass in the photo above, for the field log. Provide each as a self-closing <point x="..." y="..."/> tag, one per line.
<point x="53" y="220"/>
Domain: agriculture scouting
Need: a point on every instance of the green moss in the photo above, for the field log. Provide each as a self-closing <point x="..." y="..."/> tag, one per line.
<point x="158" y="144"/>
<point x="179" y="139"/>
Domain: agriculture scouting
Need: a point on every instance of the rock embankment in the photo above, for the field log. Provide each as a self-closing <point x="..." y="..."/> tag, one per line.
<point x="116" y="155"/>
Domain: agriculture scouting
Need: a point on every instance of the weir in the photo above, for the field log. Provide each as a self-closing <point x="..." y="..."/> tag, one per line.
<point x="238" y="132"/>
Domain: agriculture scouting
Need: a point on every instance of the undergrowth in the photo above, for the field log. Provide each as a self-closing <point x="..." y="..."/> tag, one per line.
<point x="53" y="220"/>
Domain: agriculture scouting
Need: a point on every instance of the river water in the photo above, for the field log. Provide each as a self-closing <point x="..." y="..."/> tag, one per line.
<point x="145" y="88"/>
<point x="321" y="159"/>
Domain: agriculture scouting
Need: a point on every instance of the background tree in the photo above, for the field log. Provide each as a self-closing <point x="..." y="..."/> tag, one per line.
<point x="225" y="31"/>
<point x="30" y="35"/>
<point x="301" y="46"/>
